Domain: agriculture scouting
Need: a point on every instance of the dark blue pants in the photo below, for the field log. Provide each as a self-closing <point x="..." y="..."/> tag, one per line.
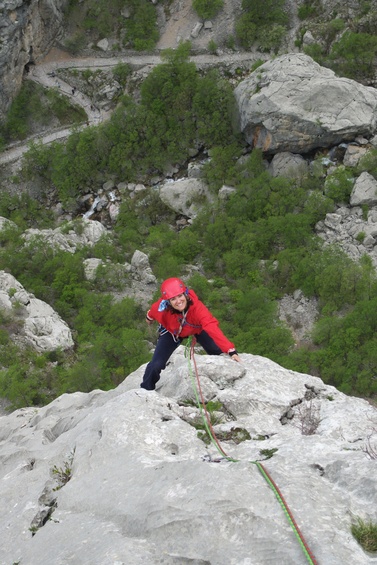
<point x="166" y="345"/>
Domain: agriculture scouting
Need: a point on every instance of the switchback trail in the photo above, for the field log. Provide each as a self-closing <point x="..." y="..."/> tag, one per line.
<point x="44" y="73"/>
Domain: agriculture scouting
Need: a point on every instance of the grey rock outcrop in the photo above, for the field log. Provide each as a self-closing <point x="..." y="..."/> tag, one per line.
<point x="184" y="196"/>
<point x="141" y="487"/>
<point x="43" y="328"/>
<point x="355" y="235"/>
<point x="364" y="191"/>
<point x="67" y="238"/>
<point x="293" y="104"/>
<point x="288" y="165"/>
<point x="299" y="313"/>
<point x="27" y="31"/>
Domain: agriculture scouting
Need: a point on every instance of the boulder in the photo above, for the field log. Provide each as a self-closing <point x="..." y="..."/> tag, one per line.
<point x="123" y="477"/>
<point x="288" y="165"/>
<point x="90" y="267"/>
<point x="184" y="196"/>
<point x="293" y="104"/>
<point x="43" y="328"/>
<point x="68" y="237"/>
<point x="364" y="191"/>
<point x="354" y="234"/>
<point x="141" y="270"/>
<point x="353" y="155"/>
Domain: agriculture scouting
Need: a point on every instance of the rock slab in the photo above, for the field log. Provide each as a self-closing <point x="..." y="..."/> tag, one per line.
<point x="143" y="488"/>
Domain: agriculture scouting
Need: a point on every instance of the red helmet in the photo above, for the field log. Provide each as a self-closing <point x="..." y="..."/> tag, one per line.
<point x="172" y="287"/>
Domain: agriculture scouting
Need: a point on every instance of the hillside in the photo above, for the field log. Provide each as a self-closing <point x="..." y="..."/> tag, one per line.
<point x="255" y="244"/>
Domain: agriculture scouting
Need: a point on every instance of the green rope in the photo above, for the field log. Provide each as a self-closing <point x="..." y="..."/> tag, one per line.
<point x="200" y="406"/>
<point x="261" y="468"/>
<point x="285" y="510"/>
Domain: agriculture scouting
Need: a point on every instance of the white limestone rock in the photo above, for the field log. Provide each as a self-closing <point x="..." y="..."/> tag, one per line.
<point x="90" y="267"/>
<point x="293" y="104"/>
<point x="364" y="190"/>
<point x="67" y="238"/>
<point x="43" y="328"/>
<point x="185" y="195"/>
<point x="288" y="165"/>
<point x="143" y="488"/>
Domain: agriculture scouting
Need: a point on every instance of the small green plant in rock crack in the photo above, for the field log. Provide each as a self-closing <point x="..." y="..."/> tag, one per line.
<point x="365" y="534"/>
<point x="237" y="435"/>
<point x="63" y="474"/>
<point x="268" y="453"/>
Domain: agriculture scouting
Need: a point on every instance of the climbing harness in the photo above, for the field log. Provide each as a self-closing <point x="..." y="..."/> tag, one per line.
<point x="189" y="352"/>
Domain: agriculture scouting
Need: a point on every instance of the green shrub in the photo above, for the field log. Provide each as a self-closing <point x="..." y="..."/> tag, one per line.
<point x="309" y="9"/>
<point x="272" y="39"/>
<point x="316" y="52"/>
<point x="365" y="532"/>
<point x="207" y="9"/>
<point x="329" y="30"/>
<point x="230" y="42"/>
<point x="368" y="163"/>
<point x="354" y="54"/>
<point x="212" y="47"/>
<point x="121" y="73"/>
<point x="338" y="185"/>
<point x="141" y="28"/>
<point x="76" y="43"/>
<point x="257" y="20"/>
<point x="34" y="108"/>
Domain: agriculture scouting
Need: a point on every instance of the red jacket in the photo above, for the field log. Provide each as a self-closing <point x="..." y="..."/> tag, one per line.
<point x="198" y="318"/>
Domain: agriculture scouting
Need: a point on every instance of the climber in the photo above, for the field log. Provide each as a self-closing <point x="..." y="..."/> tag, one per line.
<point x="180" y="314"/>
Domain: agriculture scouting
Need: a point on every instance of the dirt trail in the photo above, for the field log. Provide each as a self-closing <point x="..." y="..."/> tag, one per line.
<point x="44" y="73"/>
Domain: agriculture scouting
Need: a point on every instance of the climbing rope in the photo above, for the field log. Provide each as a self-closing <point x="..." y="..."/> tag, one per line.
<point x="189" y="353"/>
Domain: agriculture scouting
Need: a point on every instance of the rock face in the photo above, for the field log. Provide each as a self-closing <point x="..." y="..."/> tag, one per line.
<point x="356" y="235"/>
<point x="43" y="328"/>
<point x="27" y="31"/>
<point x="185" y="195"/>
<point x="293" y="104"/>
<point x="67" y="238"/>
<point x="141" y="487"/>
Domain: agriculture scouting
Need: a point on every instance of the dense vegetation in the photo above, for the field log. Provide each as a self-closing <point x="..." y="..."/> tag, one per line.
<point x="262" y="23"/>
<point x="254" y="248"/>
<point x="36" y="105"/>
<point x="131" y="22"/>
<point x="179" y="109"/>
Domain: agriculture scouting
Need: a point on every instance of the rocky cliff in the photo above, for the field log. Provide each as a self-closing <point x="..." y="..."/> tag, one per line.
<point x="121" y="477"/>
<point x="27" y="31"/>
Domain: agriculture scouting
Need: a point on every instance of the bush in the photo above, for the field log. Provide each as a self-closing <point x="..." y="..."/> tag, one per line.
<point x="354" y="54"/>
<point x="368" y="163"/>
<point x="309" y="9"/>
<point x="141" y="27"/>
<point x="207" y="9"/>
<point x="339" y="184"/>
<point x="257" y="20"/>
<point x="212" y="47"/>
<point x="121" y="73"/>
<point x="366" y="534"/>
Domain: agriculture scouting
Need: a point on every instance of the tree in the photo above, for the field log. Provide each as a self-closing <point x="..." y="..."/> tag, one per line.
<point x="354" y="54"/>
<point x="207" y="9"/>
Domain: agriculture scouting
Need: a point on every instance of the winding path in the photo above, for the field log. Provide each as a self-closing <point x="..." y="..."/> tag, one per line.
<point x="44" y="74"/>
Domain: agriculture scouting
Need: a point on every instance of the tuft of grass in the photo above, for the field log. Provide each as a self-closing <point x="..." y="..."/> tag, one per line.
<point x="365" y="534"/>
<point x="63" y="474"/>
<point x="268" y="453"/>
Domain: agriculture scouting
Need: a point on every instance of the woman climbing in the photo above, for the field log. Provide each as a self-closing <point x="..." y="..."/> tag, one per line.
<point x="180" y="314"/>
